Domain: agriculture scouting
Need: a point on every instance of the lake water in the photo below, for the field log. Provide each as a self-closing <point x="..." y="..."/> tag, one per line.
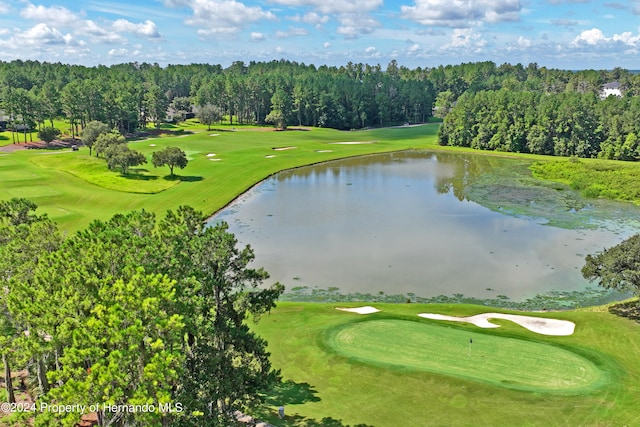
<point x="403" y="223"/>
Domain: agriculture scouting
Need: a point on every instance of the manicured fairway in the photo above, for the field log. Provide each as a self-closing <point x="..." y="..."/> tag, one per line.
<point x="501" y="361"/>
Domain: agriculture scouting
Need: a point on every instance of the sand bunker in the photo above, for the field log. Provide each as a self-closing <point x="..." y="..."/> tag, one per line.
<point x="283" y="148"/>
<point x="324" y="151"/>
<point x="360" y="310"/>
<point x="353" y="142"/>
<point x="215" y="160"/>
<point x="152" y="145"/>
<point x="539" y="325"/>
<point x="211" y="154"/>
<point x="214" y="134"/>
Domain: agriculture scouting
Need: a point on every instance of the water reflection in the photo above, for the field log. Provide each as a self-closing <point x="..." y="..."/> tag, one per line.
<point x="404" y="222"/>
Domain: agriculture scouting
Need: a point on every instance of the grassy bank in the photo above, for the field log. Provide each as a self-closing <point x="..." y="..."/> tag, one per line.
<point x="606" y="179"/>
<point x="365" y="379"/>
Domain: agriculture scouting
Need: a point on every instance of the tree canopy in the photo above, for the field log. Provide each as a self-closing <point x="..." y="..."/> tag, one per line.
<point x="120" y="156"/>
<point x="617" y="267"/>
<point x="134" y="311"/>
<point x="170" y="156"/>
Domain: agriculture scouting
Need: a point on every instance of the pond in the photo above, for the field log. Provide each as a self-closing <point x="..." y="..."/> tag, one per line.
<point x="425" y="223"/>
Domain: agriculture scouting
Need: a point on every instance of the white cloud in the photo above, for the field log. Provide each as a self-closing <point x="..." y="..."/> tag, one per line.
<point x="591" y="37"/>
<point x="524" y="42"/>
<point x="312" y="18"/>
<point x="370" y="49"/>
<point x="462" y="13"/>
<point x="99" y="34"/>
<point x="326" y="45"/>
<point x="353" y="15"/>
<point x="57" y="15"/>
<point x="220" y="16"/>
<point x="146" y="29"/>
<point x="595" y="42"/>
<point x="291" y="32"/>
<point x="4" y="8"/>
<point x="352" y="25"/>
<point x="39" y="37"/>
<point x="256" y="37"/>
<point x="335" y="6"/>
<point x="465" y="38"/>
<point x="414" y="48"/>
<point x="118" y="53"/>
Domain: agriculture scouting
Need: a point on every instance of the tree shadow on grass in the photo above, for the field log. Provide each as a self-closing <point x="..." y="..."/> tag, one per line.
<point x="135" y="175"/>
<point x="183" y="178"/>
<point x="291" y="393"/>
<point x="300" y="421"/>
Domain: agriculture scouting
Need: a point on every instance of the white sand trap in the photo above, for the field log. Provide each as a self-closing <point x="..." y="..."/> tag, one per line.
<point x="215" y="160"/>
<point x="269" y="157"/>
<point x="214" y="134"/>
<point x="152" y="145"/>
<point x="283" y="148"/>
<point x="360" y="310"/>
<point x="353" y="142"/>
<point x="539" y="325"/>
<point x="324" y="151"/>
<point x="211" y="155"/>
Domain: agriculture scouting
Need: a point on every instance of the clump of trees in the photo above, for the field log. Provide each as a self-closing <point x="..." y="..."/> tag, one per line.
<point x="170" y="156"/>
<point x="132" y="311"/>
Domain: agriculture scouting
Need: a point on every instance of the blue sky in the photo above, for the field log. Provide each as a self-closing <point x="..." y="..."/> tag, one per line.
<point x="568" y="34"/>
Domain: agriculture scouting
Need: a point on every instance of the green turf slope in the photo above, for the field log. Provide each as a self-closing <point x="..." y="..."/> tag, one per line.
<point x="501" y="361"/>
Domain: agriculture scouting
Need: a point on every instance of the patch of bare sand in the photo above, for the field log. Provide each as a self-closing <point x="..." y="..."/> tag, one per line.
<point x="539" y="325"/>
<point x="360" y="310"/>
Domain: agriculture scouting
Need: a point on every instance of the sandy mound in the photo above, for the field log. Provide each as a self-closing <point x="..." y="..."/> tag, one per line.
<point x="360" y="310"/>
<point x="283" y="148"/>
<point x="269" y="157"/>
<point x="539" y="325"/>
<point x="211" y="154"/>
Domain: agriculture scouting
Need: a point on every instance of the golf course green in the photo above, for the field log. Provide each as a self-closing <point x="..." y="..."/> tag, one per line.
<point x="499" y="361"/>
<point x="392" y="368"/>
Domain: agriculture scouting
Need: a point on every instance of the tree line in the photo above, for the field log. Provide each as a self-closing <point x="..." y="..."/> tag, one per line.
<point x="132" y="311"/>
<point x="132" y="96"/>
<point x="528" y="119"/>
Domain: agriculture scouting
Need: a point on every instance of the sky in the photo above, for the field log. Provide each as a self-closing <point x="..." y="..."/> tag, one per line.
<point x="566" y="34"/>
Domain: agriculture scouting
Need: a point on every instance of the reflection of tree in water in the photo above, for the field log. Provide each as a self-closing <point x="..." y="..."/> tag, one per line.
<point x="466" y="170"/>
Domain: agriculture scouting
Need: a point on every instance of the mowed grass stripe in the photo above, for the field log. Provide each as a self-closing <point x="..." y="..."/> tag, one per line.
<point x="502" y="361"/>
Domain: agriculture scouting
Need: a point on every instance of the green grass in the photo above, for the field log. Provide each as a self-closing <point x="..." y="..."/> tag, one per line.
<point x="417" y="371"/>
<point x="74" y="189"/>
<point x="496" y="360"/>
<point x="594" y="178"/>
<point x="94" y="171"/>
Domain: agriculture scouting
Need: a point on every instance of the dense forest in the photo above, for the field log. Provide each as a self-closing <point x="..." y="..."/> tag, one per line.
<point x="507" y="107"/>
